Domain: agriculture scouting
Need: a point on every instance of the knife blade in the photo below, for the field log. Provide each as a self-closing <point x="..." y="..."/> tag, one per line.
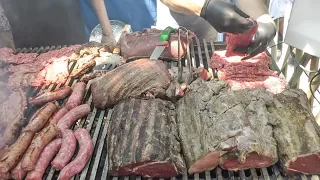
<point x="163" y="40"/>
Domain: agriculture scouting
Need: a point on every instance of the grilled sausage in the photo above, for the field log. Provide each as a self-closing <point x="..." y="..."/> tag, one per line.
<point x="44" y="160"/>
<point x="68" y="147"/>
<point x="39" y="142"/>
<point x="12" y="157"/>
<point x="18" y="173"/>
<point x="41" y="117"/>
<point x="57" y="116"/>
<point x="73" y="115"/>
<point x="83" y="156"/>
<point x="76" y="96"/>
<point x="51" y="96"/>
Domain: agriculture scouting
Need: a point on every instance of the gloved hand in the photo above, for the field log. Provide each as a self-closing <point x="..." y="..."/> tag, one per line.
<point x="108" y="40"/>
<point x="225" y="17"/>
<point x="264" y="35"/>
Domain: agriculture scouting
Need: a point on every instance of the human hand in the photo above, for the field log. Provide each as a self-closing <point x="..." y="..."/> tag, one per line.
<point x="108" y="40"/>
<point x="225" y="17"/>
<point x="264" y="35"/>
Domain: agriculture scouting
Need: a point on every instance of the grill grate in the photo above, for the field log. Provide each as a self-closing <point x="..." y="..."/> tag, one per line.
<point x="97" y="123"/>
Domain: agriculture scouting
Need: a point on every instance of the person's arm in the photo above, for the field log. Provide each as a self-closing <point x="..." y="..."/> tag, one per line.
<point x="191" y="7"/>
<point x="101" y="12"/>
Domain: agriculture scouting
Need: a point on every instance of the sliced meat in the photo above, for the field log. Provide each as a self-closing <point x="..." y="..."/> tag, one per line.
<point x="130" y="80"/>
<point x="39" y="142"/>
<point x="143" y="139"/>
<point x="68" y="147"/>
<point x="44" y="160"/>
<point x="48" y="96"/>
<point x="297" y="133"/>
<point x="141" y="44"/>
<point x="77" y="95"/>
<point x="227" y="128"/>
<point x="73" y="116"/>
<point x="12" y="117"/>
<point x="7" y="55"/>
<point x="26" y="68"/>
<point x="85" y="152"/>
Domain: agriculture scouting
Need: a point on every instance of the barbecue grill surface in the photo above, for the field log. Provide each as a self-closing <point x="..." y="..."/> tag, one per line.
<point x="98" y="120"/>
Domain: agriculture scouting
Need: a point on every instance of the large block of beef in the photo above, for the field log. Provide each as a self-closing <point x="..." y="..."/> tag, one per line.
<point x="143" y="139"/>
<point x="297" y="133"/>
<point x="12" y="117"/>
<point x="232" y="129"/>
<point x="141" y="44"/>
<point x="130" y="80"/>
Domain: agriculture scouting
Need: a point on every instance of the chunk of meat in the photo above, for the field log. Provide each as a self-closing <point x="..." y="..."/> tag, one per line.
<point x="130" y="80"/>
<point x="141" y="44"/>
<point x="143" y="139"/>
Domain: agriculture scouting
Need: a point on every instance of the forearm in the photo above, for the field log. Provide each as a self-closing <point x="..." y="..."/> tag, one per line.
<point x="101" y="12"/>
<point x="191" y="7"/>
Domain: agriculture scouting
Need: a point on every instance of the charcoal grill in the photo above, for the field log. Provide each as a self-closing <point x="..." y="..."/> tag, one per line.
<point x="97" y="123"/>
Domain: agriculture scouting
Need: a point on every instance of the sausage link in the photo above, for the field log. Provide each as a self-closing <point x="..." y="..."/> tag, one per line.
<point x="68" y="147"/>
<point x="18" y="173"/>
<point x="51" y="95"/>
<point x="57" y="116"/>
<point x="44" y="160"/>
<point x="12" y="157"/>
<point x="41" y="117"/>
<point x="85" y="152"/>
<point x="43" y="138"/>
<point x="76" y="96"/>
<point x="73" y="115"/>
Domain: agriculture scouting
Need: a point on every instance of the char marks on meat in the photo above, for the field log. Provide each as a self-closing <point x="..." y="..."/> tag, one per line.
<point x="130" y="80"/>
<point x="142" y="139"/>
<point x="142" y="44"/>
<point x="297" y="133"/>
<point x="12" y="117"/>
<point x="227" y="128"/>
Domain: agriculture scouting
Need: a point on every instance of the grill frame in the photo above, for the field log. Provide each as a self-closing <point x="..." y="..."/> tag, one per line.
<point x="98" y="120"/>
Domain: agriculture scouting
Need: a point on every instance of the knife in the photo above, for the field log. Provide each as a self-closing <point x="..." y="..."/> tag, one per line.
<point x="162" y="44"/>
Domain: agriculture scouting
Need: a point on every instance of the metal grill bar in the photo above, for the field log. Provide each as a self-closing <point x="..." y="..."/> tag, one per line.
<point x="98" y="120"/>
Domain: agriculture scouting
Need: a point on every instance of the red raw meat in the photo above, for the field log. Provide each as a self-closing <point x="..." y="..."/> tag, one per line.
<point x="239" y="40"/>
<point x="6" y="55"/>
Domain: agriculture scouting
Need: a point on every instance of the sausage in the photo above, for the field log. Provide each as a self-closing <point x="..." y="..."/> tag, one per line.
<point x="18" y="173"/>
<point x="44" y="160"/>
<point x="73" y="115"/>
<point x="68" y="147"/>
<point x="38" y="143"/>
<point x="51" y="95"/>
<point x="57" y="116"/>
<point x="12" y="157"/>
<point x="76" y="96"/>
<point x="41" y="117"/>
<point x="85" y="152"/>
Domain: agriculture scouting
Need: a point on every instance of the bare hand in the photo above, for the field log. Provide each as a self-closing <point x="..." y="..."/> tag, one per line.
<point x="108" y="40"/>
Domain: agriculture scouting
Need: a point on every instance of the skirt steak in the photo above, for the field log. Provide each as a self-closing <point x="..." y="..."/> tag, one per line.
<point x="130" y="80"/>
<point x="142" y="139"/>
<point x="227" y="128"/>
<point x="297" y="133"/>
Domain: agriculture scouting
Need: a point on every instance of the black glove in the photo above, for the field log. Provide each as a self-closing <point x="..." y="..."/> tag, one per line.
<point x="225" y="17"/>
<point x="262" y="38"/>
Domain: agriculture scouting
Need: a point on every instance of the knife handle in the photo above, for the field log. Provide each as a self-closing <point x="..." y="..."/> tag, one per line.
<point x="165" y="34"/>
